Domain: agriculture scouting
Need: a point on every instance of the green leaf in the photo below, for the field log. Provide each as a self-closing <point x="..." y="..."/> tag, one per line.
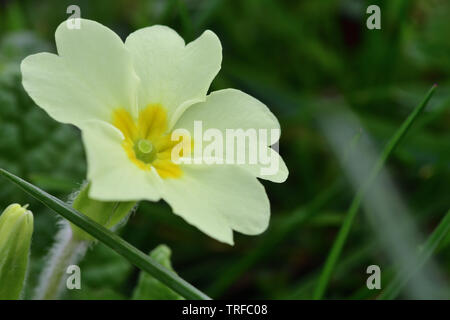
<point x="112" y="240"/>
<point x="149" y="288"/>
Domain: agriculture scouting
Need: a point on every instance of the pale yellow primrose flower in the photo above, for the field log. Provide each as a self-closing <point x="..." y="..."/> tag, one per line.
<point x="128" y="97"/>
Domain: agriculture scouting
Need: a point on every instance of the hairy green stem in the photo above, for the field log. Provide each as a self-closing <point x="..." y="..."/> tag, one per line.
<point x="344" y="231"/>
<point x="66" y="251"/>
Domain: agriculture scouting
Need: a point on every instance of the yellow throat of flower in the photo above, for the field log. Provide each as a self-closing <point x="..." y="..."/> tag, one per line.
<point x="147" y="142"/>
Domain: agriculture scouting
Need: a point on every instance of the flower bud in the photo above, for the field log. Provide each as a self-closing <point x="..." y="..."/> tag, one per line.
<point x="16" y="228"/>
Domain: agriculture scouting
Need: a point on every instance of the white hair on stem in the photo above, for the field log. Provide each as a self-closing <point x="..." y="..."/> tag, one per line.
<point x="65" y="251"/>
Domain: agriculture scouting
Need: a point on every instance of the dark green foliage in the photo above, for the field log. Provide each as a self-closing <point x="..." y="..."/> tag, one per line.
<point x="295" y="56"/>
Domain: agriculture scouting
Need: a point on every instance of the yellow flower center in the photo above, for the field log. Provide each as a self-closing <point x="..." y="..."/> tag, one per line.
<point x="144" y="151"/>
<point x="147" y="142"/>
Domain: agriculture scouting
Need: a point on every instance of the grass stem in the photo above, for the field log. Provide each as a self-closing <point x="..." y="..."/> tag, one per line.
<point x="344" y="231"/>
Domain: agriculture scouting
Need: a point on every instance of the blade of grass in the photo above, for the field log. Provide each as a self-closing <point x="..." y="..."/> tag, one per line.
<point x="112" y="240"/>
<point x="357" y="256"/>
<point x="344" y="231"/>
<point x="422" y="217"/>
<point x="432" y="243"/>
<point x="304" y="288"/>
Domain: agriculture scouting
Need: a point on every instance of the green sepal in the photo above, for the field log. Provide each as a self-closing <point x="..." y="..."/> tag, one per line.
<point x="106" y="213"/>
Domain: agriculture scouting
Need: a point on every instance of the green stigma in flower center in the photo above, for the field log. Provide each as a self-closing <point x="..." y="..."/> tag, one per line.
<point x="144" y="150"/>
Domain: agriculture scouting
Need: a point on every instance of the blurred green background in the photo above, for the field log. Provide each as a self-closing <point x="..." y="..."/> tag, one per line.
<point x="291" y="55"/>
